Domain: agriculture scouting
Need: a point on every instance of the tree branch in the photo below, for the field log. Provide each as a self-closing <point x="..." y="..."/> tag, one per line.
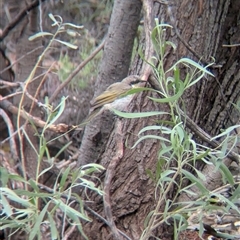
<point x="59" y="128"/>
<point x="18" y="18"/>
<point x="13" y="145"/>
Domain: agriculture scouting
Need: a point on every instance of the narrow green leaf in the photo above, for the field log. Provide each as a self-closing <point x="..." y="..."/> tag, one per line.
<point x="32" y="194"/>
<point x="18" y="178"/>
<point x="235" y="194"/>
<point x="170" y="98"/>
<point x="73" y="25"/>
<point x="64" y="177"/>
<point x="4" y="176"/>
<point x="71" y="212"/>
<point x="97" y="167"/>
<point x="147" y="219"/>
<point x="53" y="18"/>
<point x="168" y="205"/>
<point x="10" y="194"/>
<point x="59" y="110"/>
<point x="166" y="150"/>
<point x="226" y="132"/>
<point x="53" y="228"/>
<point x="190" y="193"/>
<point x="150" y="137"/>
<point x="6" y="207"/>
<point x="150" y="128"/>
<point x="167" y="173"/>
<point x="34" y="186"/>
<point x="36" y="228"/>
<point x="42" y="150"/>
<point x="47" y="168"/>
<point x="137" y="115"/>
<point x="39" y="34"/>
<point x="200" y="175"/>
<point x="66" y="44"/>
<point x="227" y="174"/>
<point x="195" y="180"/>
<point x="191" y="62"/>
<point x="29" y="141"/>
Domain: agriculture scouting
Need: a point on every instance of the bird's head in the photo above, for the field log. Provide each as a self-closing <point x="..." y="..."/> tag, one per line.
<point x="133" y="80"/>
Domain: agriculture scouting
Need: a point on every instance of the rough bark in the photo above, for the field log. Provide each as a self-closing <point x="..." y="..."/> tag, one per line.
<point x="203" y="26"/>
<point x="209" y="103"/>
<point x="114" y="67"/>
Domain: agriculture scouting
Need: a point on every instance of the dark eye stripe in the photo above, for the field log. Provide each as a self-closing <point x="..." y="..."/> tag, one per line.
<point x="136" y="81"/>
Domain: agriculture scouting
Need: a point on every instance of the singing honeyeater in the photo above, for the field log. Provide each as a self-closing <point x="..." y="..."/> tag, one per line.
<point x="113" y="92"/>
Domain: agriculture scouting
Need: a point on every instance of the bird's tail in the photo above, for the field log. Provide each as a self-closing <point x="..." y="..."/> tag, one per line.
<point x="93" y="114"/>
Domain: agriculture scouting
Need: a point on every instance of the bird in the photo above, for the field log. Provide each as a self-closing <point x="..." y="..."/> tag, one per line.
<point x="116" y="91"/>
<point x="112" y="94"/>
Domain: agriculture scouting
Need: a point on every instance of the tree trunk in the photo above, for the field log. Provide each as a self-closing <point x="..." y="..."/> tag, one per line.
<point x="114" y="67"/>
<point x="199" y="30"/>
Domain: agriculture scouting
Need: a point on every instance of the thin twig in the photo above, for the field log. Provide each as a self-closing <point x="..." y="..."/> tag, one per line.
<point x="231" y="45"/>
<point x="8" y="84"/>
<point x="8" y="138"/>
<point x="34" y="99"/>
<point x="68" y="233"/>
<point x="75" y="72"/>
<point x="13" y="145"/>
<point x="59" y="128"/>
<point x="207" y="138"/>
<point x="11" y="95"/>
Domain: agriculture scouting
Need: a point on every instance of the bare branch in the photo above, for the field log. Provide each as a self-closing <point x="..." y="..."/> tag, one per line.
<point x="59" y="128"/>
<point x="13" y="145"/>
<point x="18" y="18"/>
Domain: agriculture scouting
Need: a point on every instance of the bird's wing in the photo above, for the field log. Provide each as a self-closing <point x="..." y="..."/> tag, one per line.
<point x="104" y="98"/>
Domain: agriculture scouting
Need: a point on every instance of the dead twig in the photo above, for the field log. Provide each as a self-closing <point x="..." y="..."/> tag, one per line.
<point x="68" y="233"/>
<point x="6" y="84"/>
<point x="207" y="138"/>
<point x="13" y="145"/>
<point x="59" y="128"/>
